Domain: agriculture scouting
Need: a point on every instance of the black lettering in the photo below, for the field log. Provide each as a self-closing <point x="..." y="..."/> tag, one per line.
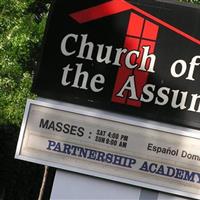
<point x="59" y="126"/>
<point x="44" y="123"/>
<point x="73" y="130"/>
<point x="66" y="128"/>
<point x="52" y="125"/>
<point x="80" y="132"/>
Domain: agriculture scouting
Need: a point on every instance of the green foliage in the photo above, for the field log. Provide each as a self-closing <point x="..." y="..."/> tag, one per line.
<point x="22" y="25"/>
<point x="191" y="1"/>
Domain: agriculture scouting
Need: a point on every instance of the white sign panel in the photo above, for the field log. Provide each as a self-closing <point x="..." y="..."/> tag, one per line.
<point x="116" y="147"/>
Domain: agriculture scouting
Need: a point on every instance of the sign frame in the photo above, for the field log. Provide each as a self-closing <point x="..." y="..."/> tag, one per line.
<point x="106" y="116"/>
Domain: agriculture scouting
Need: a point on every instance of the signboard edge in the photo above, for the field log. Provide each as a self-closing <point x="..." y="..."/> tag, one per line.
<point x="22" y="129"/>
<point x="85" y="171"/>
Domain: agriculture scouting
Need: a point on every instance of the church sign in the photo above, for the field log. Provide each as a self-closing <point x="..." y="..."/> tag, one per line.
<point x="126" y="79"/>
<point x="132" y="57"/>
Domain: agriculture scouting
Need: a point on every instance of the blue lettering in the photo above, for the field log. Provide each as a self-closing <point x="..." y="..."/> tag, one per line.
<point x="189" y="176"/>
<point x="161" y="170"/>
<point x="92" y="155"/>
<point x="57" y="147"/>
<point x="74" y="149"/>
<point x="109" y="158"/>
<point x="144" y="167"/>
<point x="170" y="171"/>
<point x="51" y="144"/>
<point x="100" y="156"/>
<point x="117" y="160"/>
<point x="67" y="148"/>
<point x="131" y="162"/>
<point x="179" y="173"/>
<point x="153" y="167"/>
<point x="198" y="175"/>
<point x="83" y="152"/>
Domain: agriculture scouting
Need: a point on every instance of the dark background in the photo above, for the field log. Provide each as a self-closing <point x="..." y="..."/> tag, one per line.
<point x="19" y="180"/>
<point x="111" y="31"/>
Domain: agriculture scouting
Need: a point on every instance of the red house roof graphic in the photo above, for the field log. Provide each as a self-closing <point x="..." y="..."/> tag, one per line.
<point x="117" y="6"/>
<point x="140" y="32"/>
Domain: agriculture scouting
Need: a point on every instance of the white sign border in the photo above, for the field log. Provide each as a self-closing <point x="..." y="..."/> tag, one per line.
<point x="173" y="129"/>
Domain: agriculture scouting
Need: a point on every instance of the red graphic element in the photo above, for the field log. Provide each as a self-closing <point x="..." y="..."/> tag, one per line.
<point x="97" y="12"/>
<point x="140" y="33"/>
<point x="132" y="31"/>
<point x="117" y="6"/>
